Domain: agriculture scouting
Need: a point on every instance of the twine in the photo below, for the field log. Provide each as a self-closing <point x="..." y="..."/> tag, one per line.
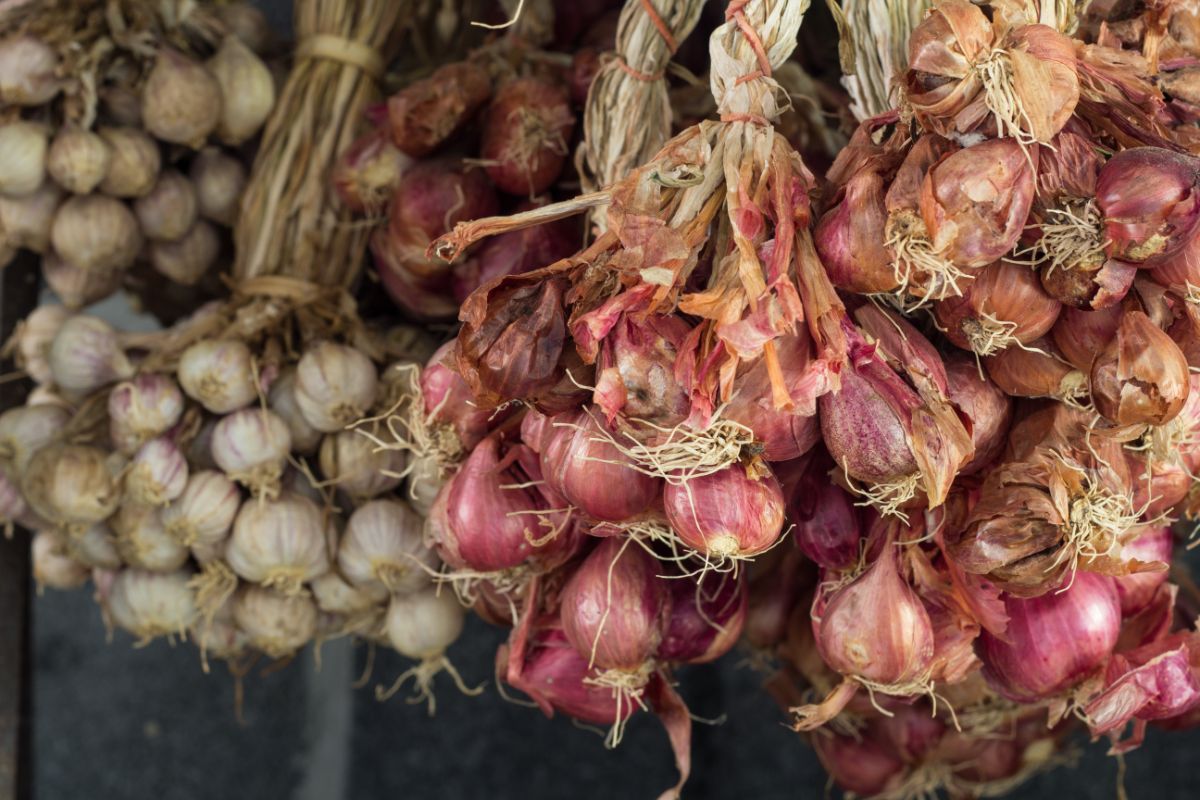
<point x="347" y="51"/>
<point x="661" y="26"/>
<point x="645" y="77"/>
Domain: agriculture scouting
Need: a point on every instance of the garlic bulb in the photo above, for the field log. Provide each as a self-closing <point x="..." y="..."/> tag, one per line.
<point x="282" y="400"/>
<point x="335" y="386"/>
<point x="13" y="508"/>
<point x="359" y="467"/>
<point x="157" y="474"/>
<point x="334" y="595"/>
<point x="86" y="354"/>
<point x="425" y="480"/>
<point x="121" y="105"/>
<point x="204" y="511"/>
<point x="72" y="485"/>
<point x="188" y="260"/>
<point x="247" y="91"/>
<point x="143" y="541"/>
<point x="46" y="395"/>
<point x="26" y="221"/>
<point x="169" y="210"/>
<point x="181" y="100"/>
<point x="22" y="157"/>
<point x="24" y="431"/>
<point x="96" y="232"/>
<point x="219" y="180"/>
<point x="252" y="447"/>
<point x="218" y="374"/>
<point x="279" y="543"/>
<point x="95" y="547"/>
<point x="423" y="624"/>
<point x="248" y="24"/>
<point x="75" y="286"/>
<point x="139" y="409"/>
<point x="28" y="71"/>
<point x="135" y="162"/>
<point x="383" y="548"/>
<point x="53" y="565"/>
<point x="78" y="159"/>
<point x="199" y="449"/>
<point x="150" y="604"/>
<point x="275" y="623"/>
<point x="218" y="636"/>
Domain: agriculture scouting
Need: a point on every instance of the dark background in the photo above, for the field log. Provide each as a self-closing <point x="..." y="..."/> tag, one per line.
<point x="111" y="722"/>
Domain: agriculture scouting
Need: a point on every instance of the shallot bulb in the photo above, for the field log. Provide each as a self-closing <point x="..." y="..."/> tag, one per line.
<point x="615" y="607"/>
<point x="786" y="430"/>
<point x="278" y="624"/>
<point x="1141" y="376"/>
<point x="366" y="174"/>
<point x="24" y="431"/>
<point x="357" y="466"/>
<point x="150" y="604"/>
<point x="636" y="370"/>
<point x="447" y="402"/>
<point x="335" y="386"/>
<point x="1036" y="371"/>
<point x="706" y="618"/>
<point x="1003" y="305"/>
<point x="859" y="764"/>
<point x="1150" y="199"/>
<point x="983" y="403"/>
<point x="426" y="112"/>
<point x="734" y="513"/>
<point x="1137" y="590"/>
<point x="252" y="446"/>
<point x="1053" y="641"/>
<point x="146" y="406"/>
<point x="86" y="354"/>
<point x="218" y="374"/>
<point x="72" y="485"/>
<point x="582" y="464"/>
<point x="53" y="564"/>
<point x="383" y="548"/>
<point x="157" y="473"/>
<point x="1081" y="335"/>
<point x="144" y="543"/>
<point x="204" y="511"/>
<point x="525" y="134"/>
<point x="279" y="543"/>
<point x="828" y="526"/>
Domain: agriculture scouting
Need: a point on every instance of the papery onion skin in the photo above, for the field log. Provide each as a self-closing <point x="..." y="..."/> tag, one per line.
<point x="426" y="112"/>
<point x="526" y="133"/>
<point x="860" y="765"/>
<point x="447" y="399"/>
<point x="981" y="401"/>
<point x="849" y="237"/>
<point x="553" y="673"/>
<point x="1150" y="199"/>
<point x="1136" y="591"/>
<point x="706" y="618"/>
<point x="728" y="514"/>
<point x="615" y="607"/>
<point x="1080" y="335"/>
<point x="784" y="433"/>
<point x="1036" y="371"/>
<point x="828" y="526"/>
<point x="1001" y="295"/>
<point x="1054" y="641"/>
<point x="1141" y="376"/>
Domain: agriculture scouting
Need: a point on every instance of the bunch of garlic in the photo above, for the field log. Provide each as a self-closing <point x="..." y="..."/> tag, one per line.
<point x="225" y="500"/>
<point x="150" y="172"/>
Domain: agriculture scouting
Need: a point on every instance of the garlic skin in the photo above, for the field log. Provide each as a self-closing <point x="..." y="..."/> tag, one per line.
<point x="72" y="485"/>
<point x="26" y="221"/>
<point x="425" y="480"/>
<point x="275" y="623"/>
<point x="248" y="24"/>
<point x="383" y="548"/>
<point x="22" y="157"/>
<point x="189" y="259"/>
<point x="78" y="159"/>
<point x="96" y="233"/>
<point x="150" y="604"/>
<point x="218" y="374"/>
<point x="219" y="181"/>
<point x="218" y="636"/>
<point x="169" y="210"/>
<point x="24" y="431"/>
<point x="143" y="541"/>
<point x="181" y="100"/>
<point x="204" y="511"/>
<point x="279" y="543"/>
<point x="135" y="163"/>
<point x="33" y="337"/>
<point x="422" y="625"/>
<point x="77" y="287"/>
<point x="53" y="565"/>
<point x="95" y="548"/>
<point x="86" y="354"/>
<point x="282" y="400"/>
<point x="252" y="447"/>
<point x="335" y="386"/>
<point x="247" y="91"/>
<point x="157" y="474"/>
<point x="142" y="408"/>
<point x="334" y="595"/>
<point x="28" y="68"/>
<point x="358" y="467"/>
<point x="13" y="508"/>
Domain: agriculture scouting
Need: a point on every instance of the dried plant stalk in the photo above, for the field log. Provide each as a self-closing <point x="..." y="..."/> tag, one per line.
<point x="292" y="222"/>
<point x="628" y="114"/>
<point x="874" y="48"/>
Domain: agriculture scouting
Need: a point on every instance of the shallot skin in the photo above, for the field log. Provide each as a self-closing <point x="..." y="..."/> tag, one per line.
<point x="726" y="514"/>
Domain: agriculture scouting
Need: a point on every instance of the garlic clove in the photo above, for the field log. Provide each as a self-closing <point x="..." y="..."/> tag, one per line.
<point x="279" y="543"/>
<point x="204" y="511"/>
<point x="95" y="547"/>
<point x="247" y="23"/>
<point x="383" y="549"/>
<point x="24" y="431"/>
<point x="357" y="466"/>
<point x="252" y="447"/>
<point x="72" y="485"/>
<point x="157" y="474"/>
<point x="277" y="624"/>
<point x="143" y="540"/>
<point x="150" y="604"/>
<point x="282" y="400"/>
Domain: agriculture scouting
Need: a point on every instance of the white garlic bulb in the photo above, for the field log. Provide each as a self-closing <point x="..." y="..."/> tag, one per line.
<point x="218" y="635"/>
<point x="28" y="71"/>
<point x="247" y="91"/>
<point x="142" y="408"/>
<point x="169" y="210"/>
<point x="204" y="511"/>
<point x="143" y="541"/>
<point x="24" y="431"/>
<point x="53" y="565"/>
<point x="247" y="23"/>
<point x="383" y="547"/>
<point x="277" y="624"/>
<point x="157" y="474"/>
<point x="335" y="386"/>
<point x="75" y="286"/>
<point x="421" y="625"/>
<point x="78" y="159"/>
<point x="219" y="180"/>
<point x="136" y="161"/>
<point x="95" y="547"/>
<point x="86" y="354"/>
<point x="218" y="374"/>
<point x="150" y="604"/>
<point x="96" y="232"/>
<point x="13" y="508"/>
<point x="26" y="221"/>
<point x="334" y="595"/>
<point x="22" y="157"/>
<point x="280" y="543"/>
<point x="252" y="447"/>
<point x="189" y="259"/>
<point x="72" y="485"/>
<point x="359" y="467"/>
<point x="181" y="100"/>
<point x="282" y="400"/>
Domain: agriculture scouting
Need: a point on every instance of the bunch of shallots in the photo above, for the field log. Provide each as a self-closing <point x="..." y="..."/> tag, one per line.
<point x="126" y="147"/>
